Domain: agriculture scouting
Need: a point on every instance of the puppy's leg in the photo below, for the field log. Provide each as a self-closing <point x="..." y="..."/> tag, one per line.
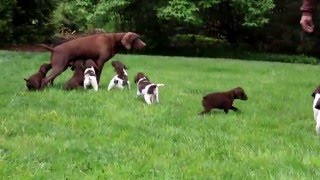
<point x="111" y="84"/>
<point x="318" y="124"/>
<point x="226" y="111"/>
<point x="205" y="111"/>
<point x="85" y="83"/>
<point x="157" y="95"/>
<point x="147" y="98"/>
<point x="234" y="108"/>
<point x="94" y="83"/>
<point x="128" y="84"/>
<point x="138" y="93"/>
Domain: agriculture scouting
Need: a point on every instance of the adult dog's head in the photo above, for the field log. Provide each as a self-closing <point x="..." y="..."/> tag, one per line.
<point x="132" y="41"/>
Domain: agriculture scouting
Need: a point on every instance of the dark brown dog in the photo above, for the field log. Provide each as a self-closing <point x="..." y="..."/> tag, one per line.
<point x="99" y="47"/>
<point x="223" y="100"/>
<point x="76" y="81"/>
<point x="34" y="81"/>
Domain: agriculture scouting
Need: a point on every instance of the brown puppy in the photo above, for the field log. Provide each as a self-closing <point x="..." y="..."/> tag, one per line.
<point x="76" y="81"/>
<point x="223" y="100"/>
<point x="99" y="47"/>
<point x="34" y="81"/>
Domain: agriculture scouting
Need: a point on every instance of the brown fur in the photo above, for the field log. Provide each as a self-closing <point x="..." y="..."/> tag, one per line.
<point x="76" y="81"/>
<point x="34" y="81"/>
<point x="118" y="68"/>
<point x="317" y="90"/>
<point x="142" y="83"/>
<point x="90" y="63"/>
<point x="223" y="100"/>
<point x="99" y="47"/>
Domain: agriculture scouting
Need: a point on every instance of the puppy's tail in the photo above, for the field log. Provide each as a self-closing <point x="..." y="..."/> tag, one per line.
<point x="46" y="47"/>
<point x="158" y="85"/>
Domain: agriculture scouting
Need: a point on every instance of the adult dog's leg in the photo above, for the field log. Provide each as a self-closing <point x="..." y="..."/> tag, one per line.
<point x="59" y="64"/>
<point x="56" y="71"/>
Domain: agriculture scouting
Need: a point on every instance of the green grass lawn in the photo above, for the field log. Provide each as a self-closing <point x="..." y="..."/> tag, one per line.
<point x="55" y="134"/>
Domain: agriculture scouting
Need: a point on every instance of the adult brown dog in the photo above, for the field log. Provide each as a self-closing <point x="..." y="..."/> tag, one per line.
<point x="34" y="81"/>
<point x="99" y="47"/>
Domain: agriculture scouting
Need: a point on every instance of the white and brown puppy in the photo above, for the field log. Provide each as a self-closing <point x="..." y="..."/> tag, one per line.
<point x="120" y="80"/>
<point x="147" y="89"/>
<point x="316" y="108"/>
<point x="90" y="78"/>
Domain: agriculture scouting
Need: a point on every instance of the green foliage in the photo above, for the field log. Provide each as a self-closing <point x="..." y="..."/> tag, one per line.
<point x="6" y="10"/>
<point x="84" y="15"/>
<point x="254" y="12"/>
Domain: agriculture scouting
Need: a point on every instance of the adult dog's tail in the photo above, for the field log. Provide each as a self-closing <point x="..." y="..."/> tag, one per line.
<point x="46" y="47"/>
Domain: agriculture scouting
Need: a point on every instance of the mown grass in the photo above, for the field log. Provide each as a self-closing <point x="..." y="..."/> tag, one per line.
<point x="56" y="134"/>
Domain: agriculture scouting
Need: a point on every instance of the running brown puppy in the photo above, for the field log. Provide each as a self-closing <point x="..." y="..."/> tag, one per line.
<point x="223" y="100"/>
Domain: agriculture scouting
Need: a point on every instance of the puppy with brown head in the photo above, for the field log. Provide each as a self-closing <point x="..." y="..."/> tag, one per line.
<point x="120" y="80"/>
<point x="223" y="100"/>
<point x="147" y="89"/>
<point x="76" y="81"/>
<point x="90" y="78"/>
<point x="34" y="81"/>
<point x="118" y="65"/>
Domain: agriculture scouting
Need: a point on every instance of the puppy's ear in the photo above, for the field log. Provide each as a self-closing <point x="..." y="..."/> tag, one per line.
<point x="313" y="94"/>
<point x="128" y="39"/>
<point x="26" y="79"/>
<point x="135" y="79"/>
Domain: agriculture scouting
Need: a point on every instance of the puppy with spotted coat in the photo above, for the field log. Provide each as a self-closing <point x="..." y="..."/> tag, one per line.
<point x="316" y="108"/>
<point x="145" y="88"/>
<point x="120" y="80"/>
<point x="90" y="78"/>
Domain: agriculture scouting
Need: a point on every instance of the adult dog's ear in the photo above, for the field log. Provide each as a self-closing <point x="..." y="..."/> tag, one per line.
<point x="128" y="39"/>
<point x="26" y="79"/>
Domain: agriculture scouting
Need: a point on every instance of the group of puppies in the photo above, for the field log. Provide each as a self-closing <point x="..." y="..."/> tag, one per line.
<point x="84" y="76"/>
<point x="102" y="47"/>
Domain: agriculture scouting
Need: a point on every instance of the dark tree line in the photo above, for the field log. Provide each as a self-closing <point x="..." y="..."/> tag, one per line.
<point x="168" y="26"/>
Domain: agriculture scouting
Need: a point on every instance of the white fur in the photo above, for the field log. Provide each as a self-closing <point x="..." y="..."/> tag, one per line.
<point x="120" y="82"/>
<point x="149" y="98"/>
<point x="316" y="113"/>
<point x="90" y="80"/>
